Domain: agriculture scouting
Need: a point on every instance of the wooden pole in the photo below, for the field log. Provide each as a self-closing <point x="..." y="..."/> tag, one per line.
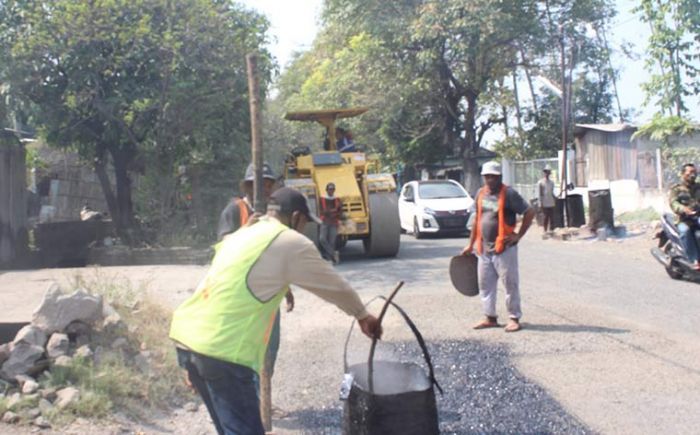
<point x="259" y="204"/>
<point x="256" y="132"/>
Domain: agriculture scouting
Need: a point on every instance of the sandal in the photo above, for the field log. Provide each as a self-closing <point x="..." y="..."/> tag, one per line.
<point x="488" y="322"/>
<point x="513" y="326"/>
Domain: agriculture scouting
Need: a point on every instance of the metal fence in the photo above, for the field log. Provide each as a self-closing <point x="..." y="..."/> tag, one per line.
<point x="526" y="174"/>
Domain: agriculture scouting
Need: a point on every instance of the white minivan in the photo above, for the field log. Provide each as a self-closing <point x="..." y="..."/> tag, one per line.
<point x="434" y="206"/>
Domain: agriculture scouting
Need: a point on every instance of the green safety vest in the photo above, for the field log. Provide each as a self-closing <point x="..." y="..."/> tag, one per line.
<point x="223" y="319"/>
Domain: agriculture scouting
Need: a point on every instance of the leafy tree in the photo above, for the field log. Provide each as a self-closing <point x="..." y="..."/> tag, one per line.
<point x="674" y="47"/>
<point x="143" y="85"/>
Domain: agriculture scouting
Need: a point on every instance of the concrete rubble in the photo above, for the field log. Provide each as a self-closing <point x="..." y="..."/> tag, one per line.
<point x="66" y="329"/>
<point x="58" y="310"/>
<point x="66" y="397"/>
<point x="58" y="345"/>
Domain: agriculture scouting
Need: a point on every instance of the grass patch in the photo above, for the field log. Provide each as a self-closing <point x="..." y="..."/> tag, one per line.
<point x="133" y="379"/>
<point x="638" y="216"/>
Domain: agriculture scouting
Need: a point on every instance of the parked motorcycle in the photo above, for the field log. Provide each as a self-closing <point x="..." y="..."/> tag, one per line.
<point x="670" y="251"/>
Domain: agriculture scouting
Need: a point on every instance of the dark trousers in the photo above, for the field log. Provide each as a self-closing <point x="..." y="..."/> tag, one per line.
<point x="548" y="213"/>
<point x="229" y="391"/>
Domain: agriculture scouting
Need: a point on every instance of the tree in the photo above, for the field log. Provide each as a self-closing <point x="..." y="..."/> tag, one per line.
<point x="143" y="85"/>
<point x="673" y="50"/>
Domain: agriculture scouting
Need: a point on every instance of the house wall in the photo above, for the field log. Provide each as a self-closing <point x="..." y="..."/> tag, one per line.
<point x="13" y="200"/>
<point x="64" y="185"/>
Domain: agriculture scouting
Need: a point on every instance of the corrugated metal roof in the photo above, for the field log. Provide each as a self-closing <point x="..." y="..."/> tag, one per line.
<point x="610" y="128"/>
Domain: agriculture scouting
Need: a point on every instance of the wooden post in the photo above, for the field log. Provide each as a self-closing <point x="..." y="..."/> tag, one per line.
<point x="260" y="206"/>
<point x="256" y="132"/>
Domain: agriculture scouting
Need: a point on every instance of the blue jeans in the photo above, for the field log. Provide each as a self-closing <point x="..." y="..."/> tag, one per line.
<point x="690" y="244"/>
<point x="229" y="391"/>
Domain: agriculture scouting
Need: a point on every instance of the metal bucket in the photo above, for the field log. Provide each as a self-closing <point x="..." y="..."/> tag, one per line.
<point x="390" y="397"/>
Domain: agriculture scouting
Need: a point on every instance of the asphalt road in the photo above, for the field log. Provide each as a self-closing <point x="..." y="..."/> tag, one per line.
<point x="608" y="337"/>
<point x="609" y="345"/>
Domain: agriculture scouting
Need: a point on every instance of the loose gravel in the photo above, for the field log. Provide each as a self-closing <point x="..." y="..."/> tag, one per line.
<point x="483" y="394"/>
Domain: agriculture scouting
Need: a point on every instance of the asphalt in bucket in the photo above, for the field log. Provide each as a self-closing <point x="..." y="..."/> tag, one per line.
<point x="483" y="394"/>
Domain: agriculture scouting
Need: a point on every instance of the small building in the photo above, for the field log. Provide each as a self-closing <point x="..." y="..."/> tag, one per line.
<point x="608" y="156"/>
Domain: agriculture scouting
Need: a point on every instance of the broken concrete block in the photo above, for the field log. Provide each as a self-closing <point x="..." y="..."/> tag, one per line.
<point x="5" y="352"/>
<point x="30" y="387"/>
<point x="21" y="379"/>
<point x="10" y="417"/>
<point x="66" y="396"/>
<point x="45" y="406"/>
<point x="30" y="334"/>
<point x="63" y="361"/>
<point x="41" y="422"/>
<point x="83" y="352"/>
<point x="58" y="345"/>
<point x="48" y="394"/>
<point x="58" y="310"/>
<point x="33" y="413"/>
<point x="22" y="359"/>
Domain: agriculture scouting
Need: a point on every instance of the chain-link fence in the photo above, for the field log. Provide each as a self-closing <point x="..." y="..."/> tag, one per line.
<point x="526" y="174"/>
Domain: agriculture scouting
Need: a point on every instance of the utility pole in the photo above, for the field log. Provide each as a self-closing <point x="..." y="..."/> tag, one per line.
<point x="260" y="206"/>
<point x="564" y="119"/>
<point x="256" y="132"/>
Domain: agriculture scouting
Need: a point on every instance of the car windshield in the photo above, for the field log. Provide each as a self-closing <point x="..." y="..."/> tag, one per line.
<point x="440" y="190"/>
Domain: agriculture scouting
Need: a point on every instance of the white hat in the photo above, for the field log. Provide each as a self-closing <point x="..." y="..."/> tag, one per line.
<point x="491" y="168"/>
<point x="547" y="168"/>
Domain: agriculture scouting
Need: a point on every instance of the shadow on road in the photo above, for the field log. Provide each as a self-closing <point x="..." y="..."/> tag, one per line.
<point x="574" y="329"/>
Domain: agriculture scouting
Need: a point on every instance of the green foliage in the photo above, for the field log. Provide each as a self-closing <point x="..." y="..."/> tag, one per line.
<point x="673" y="50"/>
<point x="144" y="85"/>
<point x="436" y="74"/>
<point x="661" y="128"/>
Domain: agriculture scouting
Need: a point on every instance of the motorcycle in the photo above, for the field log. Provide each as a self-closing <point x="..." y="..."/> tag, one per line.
<point x="670" y="251"/>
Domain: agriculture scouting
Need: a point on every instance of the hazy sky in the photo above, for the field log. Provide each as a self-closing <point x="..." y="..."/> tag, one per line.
<point x="294" y="24"/>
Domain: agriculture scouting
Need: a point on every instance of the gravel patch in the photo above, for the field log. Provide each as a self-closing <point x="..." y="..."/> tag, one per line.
<point x="483" y="394"/>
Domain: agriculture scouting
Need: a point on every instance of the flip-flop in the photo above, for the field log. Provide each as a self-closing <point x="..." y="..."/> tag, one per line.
<point x="513" y="326"/>
<point x="486" y="324"/>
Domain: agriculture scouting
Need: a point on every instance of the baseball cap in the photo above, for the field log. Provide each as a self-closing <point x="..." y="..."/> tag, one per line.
<point x="288" y="200"/>
<point x="491" y="168"/>
<point x="266" y="170"/>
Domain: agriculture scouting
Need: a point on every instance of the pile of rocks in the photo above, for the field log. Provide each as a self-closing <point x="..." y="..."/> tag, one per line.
<point x="63" y="327"/>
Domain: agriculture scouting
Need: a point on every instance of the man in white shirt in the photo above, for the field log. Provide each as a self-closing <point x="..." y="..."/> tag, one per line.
<point x="547" y="198"/>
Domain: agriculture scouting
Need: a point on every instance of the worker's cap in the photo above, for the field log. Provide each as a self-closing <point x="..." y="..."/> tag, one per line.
<point x="266" y="170"/>
<point x="491" y="168"/>
<point x="547" y="168"/>
<point x="287" y="200"/>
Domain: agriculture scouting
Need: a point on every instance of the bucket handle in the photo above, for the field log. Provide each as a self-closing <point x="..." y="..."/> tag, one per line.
<point x="411" y="325"/>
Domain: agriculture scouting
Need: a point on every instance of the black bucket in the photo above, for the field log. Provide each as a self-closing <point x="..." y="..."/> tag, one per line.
<point x="390" y="397"/>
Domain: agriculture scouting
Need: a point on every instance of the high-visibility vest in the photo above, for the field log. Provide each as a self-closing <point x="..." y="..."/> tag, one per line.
<point x="223" y="319"/>
<point x="503" y="228"/>
<point x="243" y="211"/>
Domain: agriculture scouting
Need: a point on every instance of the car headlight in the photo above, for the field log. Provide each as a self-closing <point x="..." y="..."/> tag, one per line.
<point x="429" y="211"/>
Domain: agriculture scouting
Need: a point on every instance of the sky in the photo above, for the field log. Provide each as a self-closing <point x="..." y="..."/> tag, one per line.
<point x="294" y="24"/>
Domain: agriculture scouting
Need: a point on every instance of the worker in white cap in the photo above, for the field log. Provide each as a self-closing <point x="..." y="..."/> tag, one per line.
<point x="545" y="190"/>
<point x="496" y="241"/>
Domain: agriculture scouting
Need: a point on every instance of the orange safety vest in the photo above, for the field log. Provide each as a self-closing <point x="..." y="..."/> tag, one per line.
<point x="503" y="228"/>
<point x="243" y="211"/>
